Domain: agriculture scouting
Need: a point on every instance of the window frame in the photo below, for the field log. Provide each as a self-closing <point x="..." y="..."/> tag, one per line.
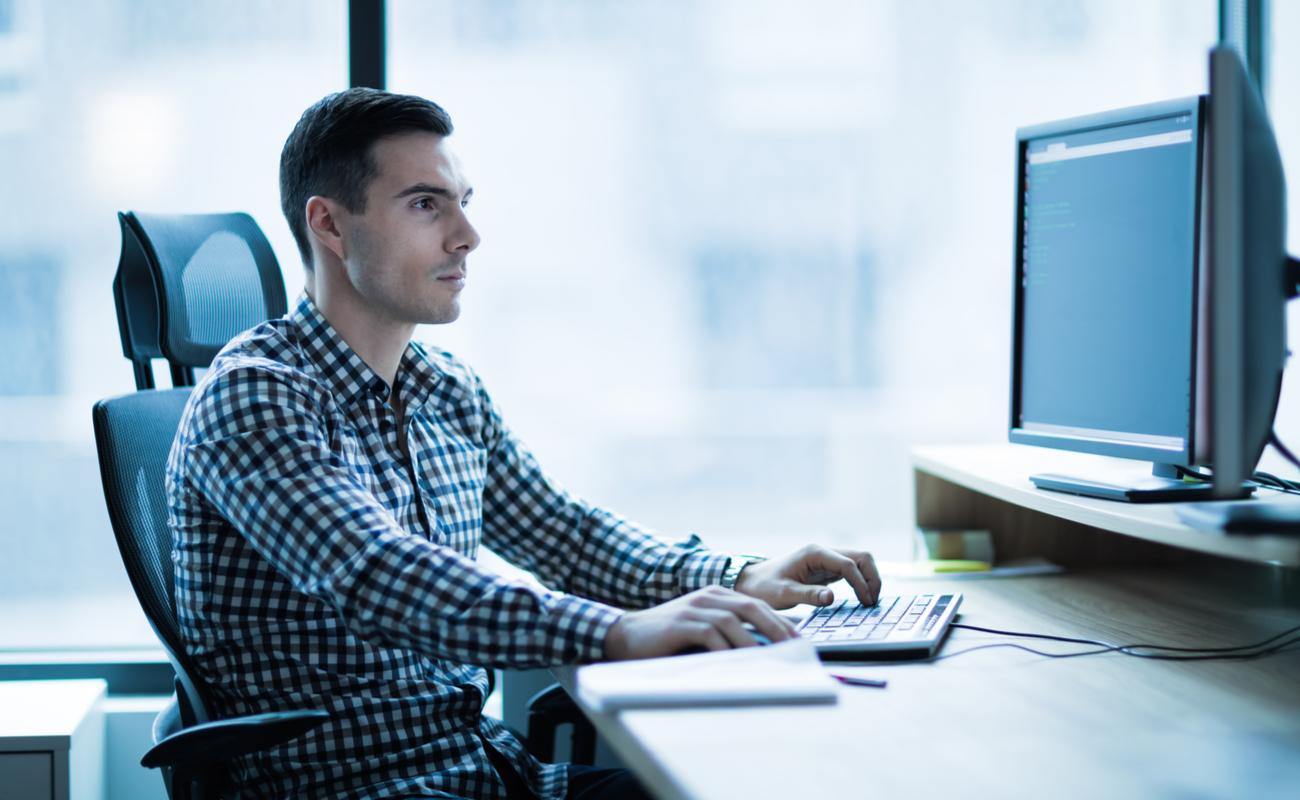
<point x="1242" y="24"/>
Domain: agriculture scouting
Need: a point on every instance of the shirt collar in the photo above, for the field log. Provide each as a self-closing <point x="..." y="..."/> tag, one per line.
<point x="348" y="375"/>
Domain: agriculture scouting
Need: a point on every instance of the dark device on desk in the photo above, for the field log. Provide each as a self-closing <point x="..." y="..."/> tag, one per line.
<point x="1150" y="282"/>
<point x="895" y="627"/>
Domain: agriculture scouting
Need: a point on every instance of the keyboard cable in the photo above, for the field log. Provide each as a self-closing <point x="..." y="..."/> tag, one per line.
<point x="1267" y="647"/>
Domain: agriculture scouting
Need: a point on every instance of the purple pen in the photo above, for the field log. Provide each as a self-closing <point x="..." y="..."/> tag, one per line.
<point x="851" y="681"/>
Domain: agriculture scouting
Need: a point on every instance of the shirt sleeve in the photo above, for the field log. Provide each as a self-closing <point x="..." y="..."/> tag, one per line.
<point x="254" y="445"/>
<point x="572" y="546"/>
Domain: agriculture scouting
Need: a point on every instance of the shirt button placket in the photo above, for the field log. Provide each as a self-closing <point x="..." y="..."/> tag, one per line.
<point x="423" y="486"/>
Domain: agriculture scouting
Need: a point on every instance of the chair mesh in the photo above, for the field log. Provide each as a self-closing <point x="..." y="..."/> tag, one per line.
<point x="218" y="277"/>
<point x="134" y="435"/>
<point x="221" y="291"/>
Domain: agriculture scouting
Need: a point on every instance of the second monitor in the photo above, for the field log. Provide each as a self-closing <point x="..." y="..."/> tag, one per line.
<point x="1108" y="355"/>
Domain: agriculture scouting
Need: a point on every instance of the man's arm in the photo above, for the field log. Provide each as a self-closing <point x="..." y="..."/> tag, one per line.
<point x="254" y="446"/>
<point x="572" y="546"/>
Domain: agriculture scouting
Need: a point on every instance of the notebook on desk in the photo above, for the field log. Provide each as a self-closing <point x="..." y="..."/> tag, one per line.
<point x="783" y="673"/>
<point x="898" y="626"/>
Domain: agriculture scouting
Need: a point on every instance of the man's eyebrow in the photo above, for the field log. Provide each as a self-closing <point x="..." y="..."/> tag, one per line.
<point x="424" y="188"/>
<point x="428" y="188"/>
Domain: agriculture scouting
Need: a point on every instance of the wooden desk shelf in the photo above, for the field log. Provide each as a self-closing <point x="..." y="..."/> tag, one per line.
<point x="987" y="487"/>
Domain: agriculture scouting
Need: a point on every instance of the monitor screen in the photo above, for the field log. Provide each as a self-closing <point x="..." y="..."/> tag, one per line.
<point x="1106" y="295"/>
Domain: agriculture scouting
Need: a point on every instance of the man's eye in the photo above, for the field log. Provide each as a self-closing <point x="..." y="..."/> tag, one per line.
<point x="424" y="203"/>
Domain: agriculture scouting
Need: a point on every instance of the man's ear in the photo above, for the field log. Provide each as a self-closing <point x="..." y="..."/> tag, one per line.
<point x="322" y="225"/>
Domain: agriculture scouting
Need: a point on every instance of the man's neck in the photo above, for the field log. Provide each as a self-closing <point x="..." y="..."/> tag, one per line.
<point x="379" y="341"/>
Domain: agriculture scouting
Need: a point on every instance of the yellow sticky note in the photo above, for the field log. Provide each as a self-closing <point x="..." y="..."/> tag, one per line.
<point x="958" y="565"/>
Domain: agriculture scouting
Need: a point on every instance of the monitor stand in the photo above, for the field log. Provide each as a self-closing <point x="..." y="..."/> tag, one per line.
<point x="1164" y="486"/>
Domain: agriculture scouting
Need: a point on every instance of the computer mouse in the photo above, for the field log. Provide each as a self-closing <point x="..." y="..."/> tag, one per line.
<point x="761" y="638"/>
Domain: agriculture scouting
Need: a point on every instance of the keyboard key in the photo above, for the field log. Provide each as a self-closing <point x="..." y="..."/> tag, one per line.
<point x="841" y="614"/>
<point x="821" y="614"/>
<point x="828" y="613"/>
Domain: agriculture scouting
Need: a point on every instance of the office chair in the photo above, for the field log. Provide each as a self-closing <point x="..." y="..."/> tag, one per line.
<point x="185" y="285"/>
<point x="133" y="434"/>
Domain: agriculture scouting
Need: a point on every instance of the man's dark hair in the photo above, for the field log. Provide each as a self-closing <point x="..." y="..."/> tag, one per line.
<point x="329" y="151"/>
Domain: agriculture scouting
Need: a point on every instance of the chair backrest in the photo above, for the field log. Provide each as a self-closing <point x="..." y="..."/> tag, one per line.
<point x="186" y="284"/>
<point x="133" y="434"/>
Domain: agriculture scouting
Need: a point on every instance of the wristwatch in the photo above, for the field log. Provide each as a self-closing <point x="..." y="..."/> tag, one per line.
<point x="736" y="565"/>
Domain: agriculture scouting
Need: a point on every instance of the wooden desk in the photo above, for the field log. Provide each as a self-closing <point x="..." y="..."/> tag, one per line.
<point x="1005" y="723"/>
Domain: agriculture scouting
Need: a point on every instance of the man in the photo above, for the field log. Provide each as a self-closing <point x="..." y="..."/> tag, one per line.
<point x="331" y="482"/>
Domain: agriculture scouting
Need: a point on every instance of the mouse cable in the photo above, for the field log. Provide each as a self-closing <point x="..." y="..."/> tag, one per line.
<point x="1054" y="638"/>
<point x="1267" y="480"/>
<point x="1153" y="656"/>
<point x="1267" y="647"/>
<point x="1283" y="449"/>
<point x="1196" y="475"/>
<point x="1264" y="479"/>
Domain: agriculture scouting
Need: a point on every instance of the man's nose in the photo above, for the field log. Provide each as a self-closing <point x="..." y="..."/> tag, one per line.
<point x="465" y="239"/>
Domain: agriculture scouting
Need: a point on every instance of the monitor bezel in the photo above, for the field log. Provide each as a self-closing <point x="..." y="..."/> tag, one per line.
<point x="1246" y="237"/>
<point x="1196" y="107"/>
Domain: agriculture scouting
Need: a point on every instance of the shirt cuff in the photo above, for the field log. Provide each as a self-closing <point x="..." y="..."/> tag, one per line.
<point x="578" y="628"/>
<point x="700" y="569"/>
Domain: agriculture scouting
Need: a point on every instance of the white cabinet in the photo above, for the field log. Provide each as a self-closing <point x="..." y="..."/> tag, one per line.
<point x="52" y="740"/>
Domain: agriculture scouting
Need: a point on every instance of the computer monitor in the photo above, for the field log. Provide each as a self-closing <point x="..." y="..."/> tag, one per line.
<point x="1150" y="280"/>
<point x="1248" y="275"/>
<point x="1105" y="342"/>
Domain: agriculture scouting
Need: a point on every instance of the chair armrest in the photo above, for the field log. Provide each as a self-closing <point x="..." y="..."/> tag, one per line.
<point x="548" y="710"/>
<point x="553" y="700"/>
<point x="225" y="739"/>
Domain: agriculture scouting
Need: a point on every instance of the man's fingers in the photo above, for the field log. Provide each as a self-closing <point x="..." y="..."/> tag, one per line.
<point x="730" y="626"/>
<point x="709" y="636"/>
<point x="847" y="569"/>
<point x="802" y="593"/>
<point x="867" y="565"/>
<point x="755" y="612"/>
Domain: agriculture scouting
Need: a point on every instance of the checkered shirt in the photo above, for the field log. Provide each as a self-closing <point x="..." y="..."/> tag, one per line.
<point x="316" y="568"/>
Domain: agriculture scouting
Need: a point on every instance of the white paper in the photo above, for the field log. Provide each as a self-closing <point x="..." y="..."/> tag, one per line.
<point x="788" y="672"/>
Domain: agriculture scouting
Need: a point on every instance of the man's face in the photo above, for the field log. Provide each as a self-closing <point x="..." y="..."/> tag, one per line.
<point x="405" y="256"/>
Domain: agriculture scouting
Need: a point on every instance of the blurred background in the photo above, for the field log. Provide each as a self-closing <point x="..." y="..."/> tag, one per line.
<point x="738" y="256"/>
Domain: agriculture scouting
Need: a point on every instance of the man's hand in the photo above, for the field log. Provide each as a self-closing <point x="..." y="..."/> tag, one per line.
<point x="800" y="577"/>
<point x="712" y="618"/>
